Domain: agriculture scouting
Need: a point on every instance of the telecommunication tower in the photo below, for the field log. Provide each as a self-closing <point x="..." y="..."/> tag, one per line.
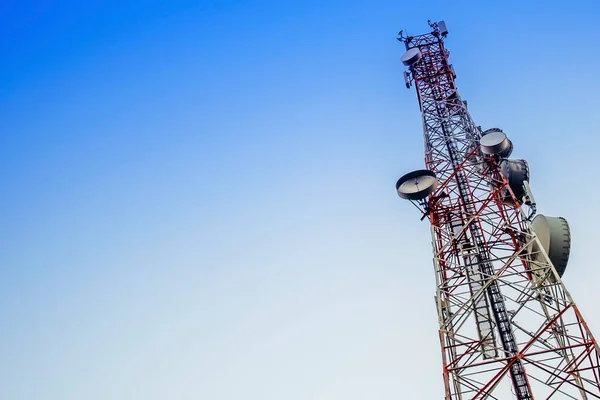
<point x="508" y="327"/>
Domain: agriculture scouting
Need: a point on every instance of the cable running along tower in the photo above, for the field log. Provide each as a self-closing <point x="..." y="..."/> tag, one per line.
<point x="508" y="327"/>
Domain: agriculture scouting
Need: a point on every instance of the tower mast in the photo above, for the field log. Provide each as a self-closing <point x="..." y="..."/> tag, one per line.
<point x="508" y="328"/>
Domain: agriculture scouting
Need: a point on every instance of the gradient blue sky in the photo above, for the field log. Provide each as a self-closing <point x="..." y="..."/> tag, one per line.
<point x="198" y="202"/>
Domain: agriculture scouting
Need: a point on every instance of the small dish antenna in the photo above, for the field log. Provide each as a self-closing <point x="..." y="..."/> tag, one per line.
<point x="417" y="185"/>
<point x="411" y="56"/>
<point x="495" y="142"/>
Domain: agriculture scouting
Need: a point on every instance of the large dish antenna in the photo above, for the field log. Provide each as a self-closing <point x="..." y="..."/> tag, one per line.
<point x="555" y="237"/>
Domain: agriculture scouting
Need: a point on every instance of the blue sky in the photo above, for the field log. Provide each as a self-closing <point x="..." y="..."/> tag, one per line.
<point x="198" y="197"/>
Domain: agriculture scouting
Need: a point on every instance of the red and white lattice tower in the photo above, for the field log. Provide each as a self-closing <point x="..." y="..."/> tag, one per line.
<point x="508" y="327"/>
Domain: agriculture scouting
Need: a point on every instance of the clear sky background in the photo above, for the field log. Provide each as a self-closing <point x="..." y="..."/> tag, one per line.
<point x="197" y="198"/>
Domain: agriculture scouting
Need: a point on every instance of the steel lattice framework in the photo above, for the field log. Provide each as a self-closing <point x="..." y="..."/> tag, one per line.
<point x="508" y="327"/>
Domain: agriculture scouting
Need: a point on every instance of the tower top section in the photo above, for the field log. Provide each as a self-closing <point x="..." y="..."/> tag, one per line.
<point x="439" y="30"/>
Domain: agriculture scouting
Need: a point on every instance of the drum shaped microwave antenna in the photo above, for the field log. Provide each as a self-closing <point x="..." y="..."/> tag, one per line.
<point x="516" y="173"/>
<point x="495" y="142"/>
<point x="411" y="56"/>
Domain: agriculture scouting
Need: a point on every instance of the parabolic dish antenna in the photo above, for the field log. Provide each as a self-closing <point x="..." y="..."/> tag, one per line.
<point x="411" y="56"/>
<point x="417" y="185"/>
<point x="495" y="143"/>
